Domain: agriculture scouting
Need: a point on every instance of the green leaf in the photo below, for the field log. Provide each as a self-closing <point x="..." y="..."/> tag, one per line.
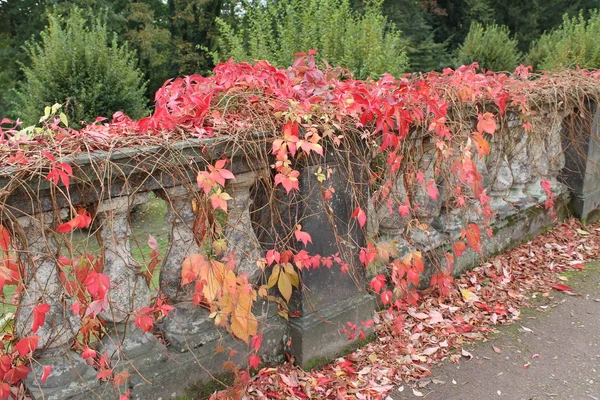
<point x="63" y="119"/>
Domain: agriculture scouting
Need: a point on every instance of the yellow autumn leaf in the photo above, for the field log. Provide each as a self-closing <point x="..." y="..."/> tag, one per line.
<point x="292" y="274"/>
<point x="467" y="295"/>
<point x="274" y="275"/>
<point x="285" y="286"/>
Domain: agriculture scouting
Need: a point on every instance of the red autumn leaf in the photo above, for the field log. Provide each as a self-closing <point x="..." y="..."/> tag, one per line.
<point x="254" y="361"/>
<point x="386" y="297"/>
<point x="288" y="181"/>
<point x="360" y="215"/>
<point x="273" y="256"/>
<point x="39" y="316"/>
<point x="104" y="374"/>
<point x="473" y="235"/>
<point x="432" y="189"/>
<point x="88" y="353"/>
<point x="16" y="374"/>
<point x="96" y="307"/>
<point x="483" y="146"/>
<point x="121" y="378"/>
<point x="303" y="237"/>
<point x="81" y="220"/>
<point x="459" y="248"/>
<point x="190" y="269"/>
<point x="27" y="345"/>
<point x="97" y="284"/>
<point x="4" y="239"/>
<point x="256" y="341"/>
<point x="5" y="391"/>
<point x="378" y="283"/>
<point x="143" y="319"/>
<point x="404" y="209"/>
<point x="46" y="372"/>
<point x="486" y="123"/>
<point x="219" y="200"/>
<point x="562" y="287"/>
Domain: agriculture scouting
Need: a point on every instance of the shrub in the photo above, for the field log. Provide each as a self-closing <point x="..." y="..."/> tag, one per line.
<point x="81" y="66"/>
<point x="492" y="47"/>
<point x="575" y="43"/>
<point x="365" y="43"/>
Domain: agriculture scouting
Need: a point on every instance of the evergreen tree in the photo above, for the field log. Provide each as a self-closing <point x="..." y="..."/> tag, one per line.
<point x="365" y="43"/>
<point x="492" y="47"/>
<point x="423" y="52"/>
<point x="79" y="64"/>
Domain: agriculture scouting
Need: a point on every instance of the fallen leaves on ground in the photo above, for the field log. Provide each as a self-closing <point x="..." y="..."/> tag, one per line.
<point x="489" y="295"/>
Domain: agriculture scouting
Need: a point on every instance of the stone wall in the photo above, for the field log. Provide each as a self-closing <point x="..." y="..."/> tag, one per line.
<point x="183" y="353"/>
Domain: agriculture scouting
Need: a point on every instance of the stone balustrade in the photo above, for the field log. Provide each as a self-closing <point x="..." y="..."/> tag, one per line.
<point x="183" y="349"/>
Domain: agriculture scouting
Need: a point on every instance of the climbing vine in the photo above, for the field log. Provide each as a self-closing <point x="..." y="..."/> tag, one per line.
<point x="282" y="119"/>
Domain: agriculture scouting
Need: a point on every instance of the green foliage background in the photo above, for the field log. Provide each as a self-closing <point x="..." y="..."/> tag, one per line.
<point x="362" y="41"/>
<point x="575" y="43"/>
<point x="492" y="47"/>
<point x="180" y="37"/>
<point x="81" y="65"/>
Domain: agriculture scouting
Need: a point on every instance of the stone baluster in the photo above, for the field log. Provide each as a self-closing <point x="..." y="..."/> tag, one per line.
<point x="70" y="374"/>
<point x="187" y="326"/>
<point x="239" y="232"/>
<point x="394" y="224"/>
<point x="126" y="344"/>
<point x="520" y="169"/>
<point x="425" y="236"/>
<point x="500" y="189"/>
<point x="546" y="155"/>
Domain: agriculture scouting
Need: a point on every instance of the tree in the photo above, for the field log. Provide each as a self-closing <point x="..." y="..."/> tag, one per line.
<point x="193" y="28"/>
<point x="424" y="53"/>
<point x="492" y="47"/>
<point x="81" y="66"/>
<point x="365" y="43"/>
<point x="575" y="43"/>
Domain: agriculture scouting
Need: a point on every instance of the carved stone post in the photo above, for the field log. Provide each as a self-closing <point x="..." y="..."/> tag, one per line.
<point x="187" y="326"/>
<point x="521" y="172"/>
<point x="502" y="182"/>
<point x="239" y="232"/>
<point x="126" y="345"/>
<point x="70" y="374"/>
<point x="428" y="238"/>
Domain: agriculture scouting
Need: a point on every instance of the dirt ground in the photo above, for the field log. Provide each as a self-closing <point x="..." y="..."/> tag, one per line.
<point x="553" y="352"/>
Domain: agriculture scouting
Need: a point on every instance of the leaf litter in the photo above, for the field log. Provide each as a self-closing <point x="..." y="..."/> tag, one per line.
<point x="491" y="294"/>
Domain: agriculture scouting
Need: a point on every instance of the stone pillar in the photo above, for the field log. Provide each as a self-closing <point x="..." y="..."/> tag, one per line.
<point x="70" y="374"/>
<point x="239" y="232"/>
<point x="581" y="141"/>
<point x="521" y="172"/>
<point x="126" y="345"/>
<point x="500" y="189"/>
<point x="187" y="326"/>
<point x="329" y="298"/>
<point x="428" y="238"/>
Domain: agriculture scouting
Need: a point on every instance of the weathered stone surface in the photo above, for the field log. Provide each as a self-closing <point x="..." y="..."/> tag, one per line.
<point x="70" y="376"/>
<point x="43" y="286"/>
<point x="182" y="241"/>
<point x="128" y="289"/>
<point x="581" y="140"/>
<point x="319" y="337"/>
<point x="240" y="235"/>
